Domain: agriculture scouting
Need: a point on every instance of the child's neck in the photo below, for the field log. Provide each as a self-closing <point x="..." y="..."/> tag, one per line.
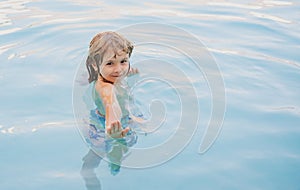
<point x="105" y="80"/>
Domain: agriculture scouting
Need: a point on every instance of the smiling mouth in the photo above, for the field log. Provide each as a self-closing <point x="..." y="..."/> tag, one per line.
<point x="115" y="76"/>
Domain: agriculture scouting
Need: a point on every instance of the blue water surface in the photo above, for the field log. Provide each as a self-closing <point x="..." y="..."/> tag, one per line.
<point x="254" y="43"/>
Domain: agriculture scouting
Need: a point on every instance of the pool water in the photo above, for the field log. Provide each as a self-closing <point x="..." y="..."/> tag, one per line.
<point x="255" y="45"/>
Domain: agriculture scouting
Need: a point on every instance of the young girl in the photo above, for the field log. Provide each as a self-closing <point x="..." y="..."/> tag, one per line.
<point x="108" y="64"/>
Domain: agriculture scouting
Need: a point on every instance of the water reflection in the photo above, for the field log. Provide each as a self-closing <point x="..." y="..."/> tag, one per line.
<point x="90" y="162"/>
<point x="116" y="152"/>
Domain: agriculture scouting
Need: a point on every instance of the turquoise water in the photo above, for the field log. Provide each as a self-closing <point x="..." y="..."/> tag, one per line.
<point x="254" y="43"/>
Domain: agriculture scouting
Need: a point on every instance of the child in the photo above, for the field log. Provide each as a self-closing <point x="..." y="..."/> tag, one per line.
<point x="108" y="65"/>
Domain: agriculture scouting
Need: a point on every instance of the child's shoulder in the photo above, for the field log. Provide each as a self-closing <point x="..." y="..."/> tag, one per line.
<point x="104" y="89"/>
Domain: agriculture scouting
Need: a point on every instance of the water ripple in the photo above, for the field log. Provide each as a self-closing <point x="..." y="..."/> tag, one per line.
<point x="271" y="17"/>
<point x="27" y="128"/>
<point x="255" y="43"/>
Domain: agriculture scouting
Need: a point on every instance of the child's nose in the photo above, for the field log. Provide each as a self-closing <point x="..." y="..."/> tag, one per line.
<point x="118" y="68"/>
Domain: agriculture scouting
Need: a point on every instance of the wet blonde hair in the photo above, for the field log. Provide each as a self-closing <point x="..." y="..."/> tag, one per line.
<point x="98" y="47"/>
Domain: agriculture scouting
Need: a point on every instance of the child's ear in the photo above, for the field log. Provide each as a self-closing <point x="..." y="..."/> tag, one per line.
<point x="95" y="67"/>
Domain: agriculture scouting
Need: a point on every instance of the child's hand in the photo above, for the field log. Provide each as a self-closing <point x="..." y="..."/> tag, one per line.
<point x="133" y="71"/>
<point x="115" y="130"/>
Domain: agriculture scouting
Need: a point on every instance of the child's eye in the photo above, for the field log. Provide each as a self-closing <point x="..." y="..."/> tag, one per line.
<point x="124" y="61"/>
<point x="109" y="63"/>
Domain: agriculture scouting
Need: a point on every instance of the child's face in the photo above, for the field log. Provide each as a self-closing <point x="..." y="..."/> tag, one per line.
<point x="114" y="66"/>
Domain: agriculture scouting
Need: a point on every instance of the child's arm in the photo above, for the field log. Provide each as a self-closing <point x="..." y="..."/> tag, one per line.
<point x="113" y="112"/>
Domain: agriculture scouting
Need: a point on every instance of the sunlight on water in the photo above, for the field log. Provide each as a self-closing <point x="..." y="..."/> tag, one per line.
<point x="255" y="45"/>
